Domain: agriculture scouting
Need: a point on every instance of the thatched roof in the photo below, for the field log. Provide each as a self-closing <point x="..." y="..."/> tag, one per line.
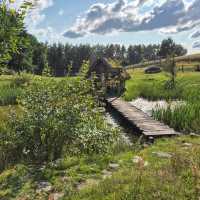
<point x="102" y="66"/>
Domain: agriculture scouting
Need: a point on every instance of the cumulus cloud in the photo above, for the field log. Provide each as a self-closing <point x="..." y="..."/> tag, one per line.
<point x="196" y="45"/>
<point x="170" y="16"/>
<point x="35" y="15"/>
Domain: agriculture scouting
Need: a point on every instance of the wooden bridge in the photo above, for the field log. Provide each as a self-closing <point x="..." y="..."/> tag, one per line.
<point x="141" y="121"/>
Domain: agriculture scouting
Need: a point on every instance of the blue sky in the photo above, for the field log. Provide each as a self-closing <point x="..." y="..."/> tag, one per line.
<point x="117" y="21"/>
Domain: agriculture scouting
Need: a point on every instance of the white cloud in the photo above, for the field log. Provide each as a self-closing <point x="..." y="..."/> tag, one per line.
<point x="170" y="16"/>
<point x="35" y="15"/>
<point x="47" y="33"/>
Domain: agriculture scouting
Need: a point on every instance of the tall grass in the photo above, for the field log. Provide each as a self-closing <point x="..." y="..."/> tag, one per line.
<point x="8" y="95"/>
<point x="183" y="118"/>
<point x="10" y="89"/>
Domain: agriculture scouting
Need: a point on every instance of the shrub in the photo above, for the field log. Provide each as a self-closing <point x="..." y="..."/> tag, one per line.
<point x="59" y="116"/>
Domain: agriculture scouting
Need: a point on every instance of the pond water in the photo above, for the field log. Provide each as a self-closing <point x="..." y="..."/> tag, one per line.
<point x="127" y="134"/>
<point x="147" y="106"/>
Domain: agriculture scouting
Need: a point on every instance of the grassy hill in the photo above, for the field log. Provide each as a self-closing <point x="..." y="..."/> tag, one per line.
<point x="185" y="61"/>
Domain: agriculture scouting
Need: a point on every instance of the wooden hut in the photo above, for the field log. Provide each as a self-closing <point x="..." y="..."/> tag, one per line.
<point x="111" y="78"/>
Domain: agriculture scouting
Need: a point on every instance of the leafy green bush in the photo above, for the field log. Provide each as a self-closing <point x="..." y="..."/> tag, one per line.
<point x="58" y="116"/>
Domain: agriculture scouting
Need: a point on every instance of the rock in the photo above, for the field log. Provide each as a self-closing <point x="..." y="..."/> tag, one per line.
<point x="106" y="174"/>
<point x="162" y="154"/>
<point x="187" y="144"/>
<point x="55" y="196"/>
<point x="137" y="159"/>
<point x="194" y="135"/>
<point x="44" y="186"/>
<point x="145" y="145"/>
<point x="113" y="166"/>
<point x="140" y="160"/>
<point x="65" y="179"/>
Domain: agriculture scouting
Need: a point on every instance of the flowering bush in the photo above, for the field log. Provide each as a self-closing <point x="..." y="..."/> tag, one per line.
<point x="57" y="116"/>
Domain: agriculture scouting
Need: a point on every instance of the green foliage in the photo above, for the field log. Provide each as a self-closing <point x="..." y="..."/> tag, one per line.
<point x="8" y="95"/>
<point x="174" y="117"/>
<point x="11" y="27"/>
<point x="30" y="56"/>
<point x="21" y="80"/>
<point x="153" y="87"/>
<point x="170" y="67"/>
<point x="5" y="71"/>
<point x="58" y="116"/>
<point x="9" y="92"/>
<point x="184" y="118"/>
<point x="169" y="47"/>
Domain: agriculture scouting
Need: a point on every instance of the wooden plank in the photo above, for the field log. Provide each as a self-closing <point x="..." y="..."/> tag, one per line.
<point x="145" y="123"/>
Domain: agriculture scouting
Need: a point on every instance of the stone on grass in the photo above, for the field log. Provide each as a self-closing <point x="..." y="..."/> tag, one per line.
<point x="145" y="145"/>
<point x="162" y="154"/>
<point x="113" y="166"/>
<point x="106" y="174"/>
<point x="137" y="159"/>
<point x="140" y="160"/>
<point x="44" y="186"/>
<point x="187" y="144"/>
<point x="194" y="135"/>
<point x="55" y="196"/>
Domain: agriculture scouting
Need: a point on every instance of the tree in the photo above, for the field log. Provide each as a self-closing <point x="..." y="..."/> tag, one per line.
<point x="39" y="58"/>
<point x="169" y="47"/>
<point x="22" y="60"/>
<point x="11" y="26"/>
<point x="170" y="67"/>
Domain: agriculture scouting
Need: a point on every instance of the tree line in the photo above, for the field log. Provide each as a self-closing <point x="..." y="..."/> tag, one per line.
<point x="59" y="59"/>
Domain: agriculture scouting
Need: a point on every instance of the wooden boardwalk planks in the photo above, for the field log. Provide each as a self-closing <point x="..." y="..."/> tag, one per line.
<point x="147" y="125"/>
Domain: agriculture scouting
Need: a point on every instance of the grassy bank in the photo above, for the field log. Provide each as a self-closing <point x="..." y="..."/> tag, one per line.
<point x="184" y="118"/>
<point x="167" y="170"/>
<point x="152" y="86"/>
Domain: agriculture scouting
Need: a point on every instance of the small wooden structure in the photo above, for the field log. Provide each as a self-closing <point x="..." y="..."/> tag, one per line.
<point x="141" y="122"/>
<point x="112" y="79"/>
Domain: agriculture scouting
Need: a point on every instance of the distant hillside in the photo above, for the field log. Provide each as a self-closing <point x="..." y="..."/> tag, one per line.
<point x="187" y="58"/>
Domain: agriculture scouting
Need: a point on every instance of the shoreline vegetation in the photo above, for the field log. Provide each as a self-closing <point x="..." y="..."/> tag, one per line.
<point x="152" y="87"/>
